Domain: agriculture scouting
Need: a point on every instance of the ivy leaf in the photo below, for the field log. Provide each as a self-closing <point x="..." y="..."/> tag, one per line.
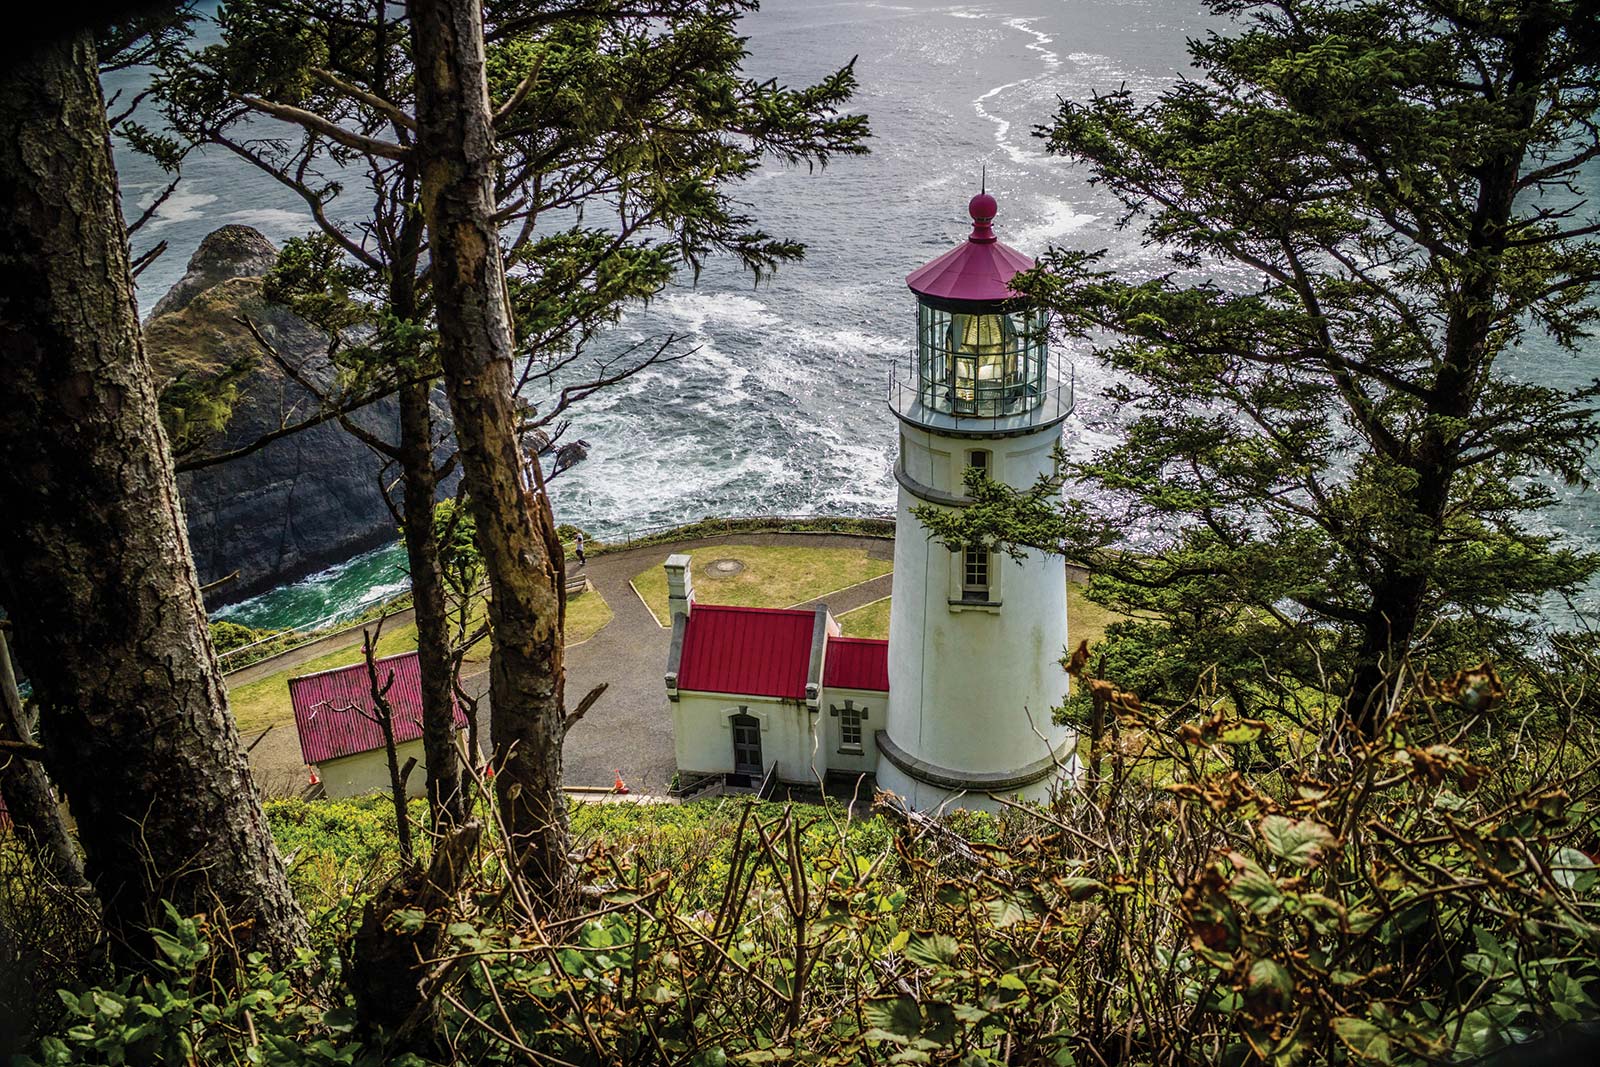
<point x="1300" y="841"/>
<point x="932" y="950"/>
<point x="1362" y="1038"/>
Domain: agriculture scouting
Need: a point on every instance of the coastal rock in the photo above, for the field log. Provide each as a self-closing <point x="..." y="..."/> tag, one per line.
<point x="302" y="502"/>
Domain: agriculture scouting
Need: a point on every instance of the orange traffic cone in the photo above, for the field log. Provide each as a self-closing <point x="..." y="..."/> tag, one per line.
<point x="619" y="786"/>
<point x="314" y="779"/>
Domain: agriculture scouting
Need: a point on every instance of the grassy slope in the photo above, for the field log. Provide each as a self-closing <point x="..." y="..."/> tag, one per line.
<point x="774" y="576"/>
<point x="1085" y="620"/>
<point x="266" y="700"/>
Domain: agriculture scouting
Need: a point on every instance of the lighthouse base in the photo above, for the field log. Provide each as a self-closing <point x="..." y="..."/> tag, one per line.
<point x="927" y="787"/>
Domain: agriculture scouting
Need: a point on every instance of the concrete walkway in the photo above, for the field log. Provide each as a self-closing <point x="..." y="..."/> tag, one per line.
<point x="629" y="729"/>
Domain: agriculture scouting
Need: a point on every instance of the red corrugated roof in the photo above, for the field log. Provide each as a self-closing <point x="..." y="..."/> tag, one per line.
<point x="857" y="663"/>
<point x="758" y="652"/>
<point x="328" y="729"/>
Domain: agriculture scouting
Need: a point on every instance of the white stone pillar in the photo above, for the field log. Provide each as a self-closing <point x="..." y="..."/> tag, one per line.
<point x="680" y="586"/>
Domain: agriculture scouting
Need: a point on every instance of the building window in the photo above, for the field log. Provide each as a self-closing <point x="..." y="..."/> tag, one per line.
<point x="850" y="719"/>
<point x="975" y="573"/>
<point x="850" y="729"/>
<point x="978" y="460"/>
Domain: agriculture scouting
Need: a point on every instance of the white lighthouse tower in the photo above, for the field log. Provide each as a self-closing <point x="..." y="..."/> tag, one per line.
<point x="975" y="637"/>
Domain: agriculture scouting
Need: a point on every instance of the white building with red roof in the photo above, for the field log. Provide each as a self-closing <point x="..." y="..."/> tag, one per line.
<point x="956" y="706"/>
<point x="754" y="688"/>
<point x="340" y="732"/>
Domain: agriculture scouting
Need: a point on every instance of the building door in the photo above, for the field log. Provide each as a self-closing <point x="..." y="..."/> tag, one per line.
<point x="746" y="745"/>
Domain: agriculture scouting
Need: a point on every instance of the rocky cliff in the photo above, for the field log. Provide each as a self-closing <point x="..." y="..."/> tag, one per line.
<point x="302" y="502"/>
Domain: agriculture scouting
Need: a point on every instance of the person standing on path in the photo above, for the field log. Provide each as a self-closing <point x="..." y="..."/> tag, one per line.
<point x="577" y="549"/>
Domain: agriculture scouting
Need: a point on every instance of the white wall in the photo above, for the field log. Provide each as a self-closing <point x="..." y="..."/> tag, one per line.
<point x="368" y="772"/>
<point x="703" y="736"/>
<point x="963" y="680"/>
<point x="830" y="757"/>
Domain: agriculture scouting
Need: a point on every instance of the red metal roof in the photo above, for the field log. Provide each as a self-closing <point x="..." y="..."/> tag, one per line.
<point x="758" y="652"/>
<point x="329" y="729"/>
<point x="857" y="663"/>
<point x="979" y="269"/>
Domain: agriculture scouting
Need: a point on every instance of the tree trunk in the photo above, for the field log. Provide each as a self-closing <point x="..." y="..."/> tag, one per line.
<point x="28" y="794"/>
<point x="95" y="567"/>
<point x="516" y="530"/>
<point x="446" y="801"/>
<point x="1399" y="599"/>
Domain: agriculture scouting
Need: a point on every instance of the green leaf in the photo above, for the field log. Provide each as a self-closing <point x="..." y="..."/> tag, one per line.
<point x="1081" y="888"/>
<point x="1573" y="870"/>
<point x="1256" y="891"/>
<point x="1300" y="841"/>
<point x="1242" y="732"/>
<point x="896" y="1015"/>
<point x="932" y="950"/>
<point x="1007" y="911"/>
<point x="1269" y="988"/>
<point x="1362" y="1038"/>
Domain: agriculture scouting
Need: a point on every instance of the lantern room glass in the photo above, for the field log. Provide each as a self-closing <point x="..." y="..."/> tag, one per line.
<point x="985" y="363"/>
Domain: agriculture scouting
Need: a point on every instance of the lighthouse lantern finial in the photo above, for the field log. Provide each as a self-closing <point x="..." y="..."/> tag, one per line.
<point x="982" y="208"/>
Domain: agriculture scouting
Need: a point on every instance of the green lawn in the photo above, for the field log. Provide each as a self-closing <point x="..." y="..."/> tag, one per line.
<point x="774" y="576"/>
<point x="871" y="620"/>
<point x="265" y="701"/>
<point x="1084" y="619"/>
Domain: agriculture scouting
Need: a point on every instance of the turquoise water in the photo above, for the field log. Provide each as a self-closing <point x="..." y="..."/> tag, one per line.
<point x="329" y="596"/>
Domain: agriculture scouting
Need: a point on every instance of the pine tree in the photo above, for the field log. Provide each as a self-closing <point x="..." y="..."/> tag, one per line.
<point x="618" y="129"/>
<point x="1339" y="469"/>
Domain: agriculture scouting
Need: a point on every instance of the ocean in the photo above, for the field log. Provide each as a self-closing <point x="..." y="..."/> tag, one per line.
<point x="781" y="409"/>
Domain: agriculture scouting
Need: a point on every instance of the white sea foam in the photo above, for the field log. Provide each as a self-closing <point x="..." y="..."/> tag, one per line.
<point x="1040" y="40"/>
<point x="1060" y="218"/>
<point x="181" y="206"/>
<point x="697" y="310"/>
<point x="272" y="221"/>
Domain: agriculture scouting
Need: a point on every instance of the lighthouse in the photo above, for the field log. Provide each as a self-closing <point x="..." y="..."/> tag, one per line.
<point x="975" y="636"/>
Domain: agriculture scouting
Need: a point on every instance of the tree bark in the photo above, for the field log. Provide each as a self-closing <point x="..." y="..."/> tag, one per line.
<point x="516" y="530"/>
<point x="94" y="562"/>
<point x="29" y="797"/>
<point x="446" y="800"/>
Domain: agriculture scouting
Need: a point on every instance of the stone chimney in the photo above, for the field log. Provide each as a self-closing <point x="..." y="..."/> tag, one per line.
<point x="680" y="586"/>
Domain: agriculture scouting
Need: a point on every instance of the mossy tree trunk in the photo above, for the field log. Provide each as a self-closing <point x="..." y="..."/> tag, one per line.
<point x="95" y="568"/>
<point x="515" y="528"/>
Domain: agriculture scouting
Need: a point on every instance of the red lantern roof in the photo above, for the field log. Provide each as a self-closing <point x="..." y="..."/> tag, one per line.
<point x="979" y="269"/>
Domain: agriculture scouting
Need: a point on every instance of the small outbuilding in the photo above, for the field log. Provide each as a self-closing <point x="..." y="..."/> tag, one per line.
<point x="339" y="731"/>
<point x="770" y="690"/>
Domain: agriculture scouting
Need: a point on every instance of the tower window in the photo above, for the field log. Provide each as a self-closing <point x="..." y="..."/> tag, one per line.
<point x="978" y="460"/>
<point x="975" y="573"/>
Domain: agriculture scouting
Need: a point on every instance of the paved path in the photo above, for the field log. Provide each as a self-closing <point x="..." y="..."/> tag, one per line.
<point x="349" y="637"/>
<point x="629" y="729"/>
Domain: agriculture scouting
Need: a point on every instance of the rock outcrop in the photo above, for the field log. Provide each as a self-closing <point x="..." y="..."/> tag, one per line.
<point x="302" y="502"/>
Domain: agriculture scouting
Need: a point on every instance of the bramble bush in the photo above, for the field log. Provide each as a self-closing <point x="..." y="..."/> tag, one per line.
<point x="1394" y="901"/>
